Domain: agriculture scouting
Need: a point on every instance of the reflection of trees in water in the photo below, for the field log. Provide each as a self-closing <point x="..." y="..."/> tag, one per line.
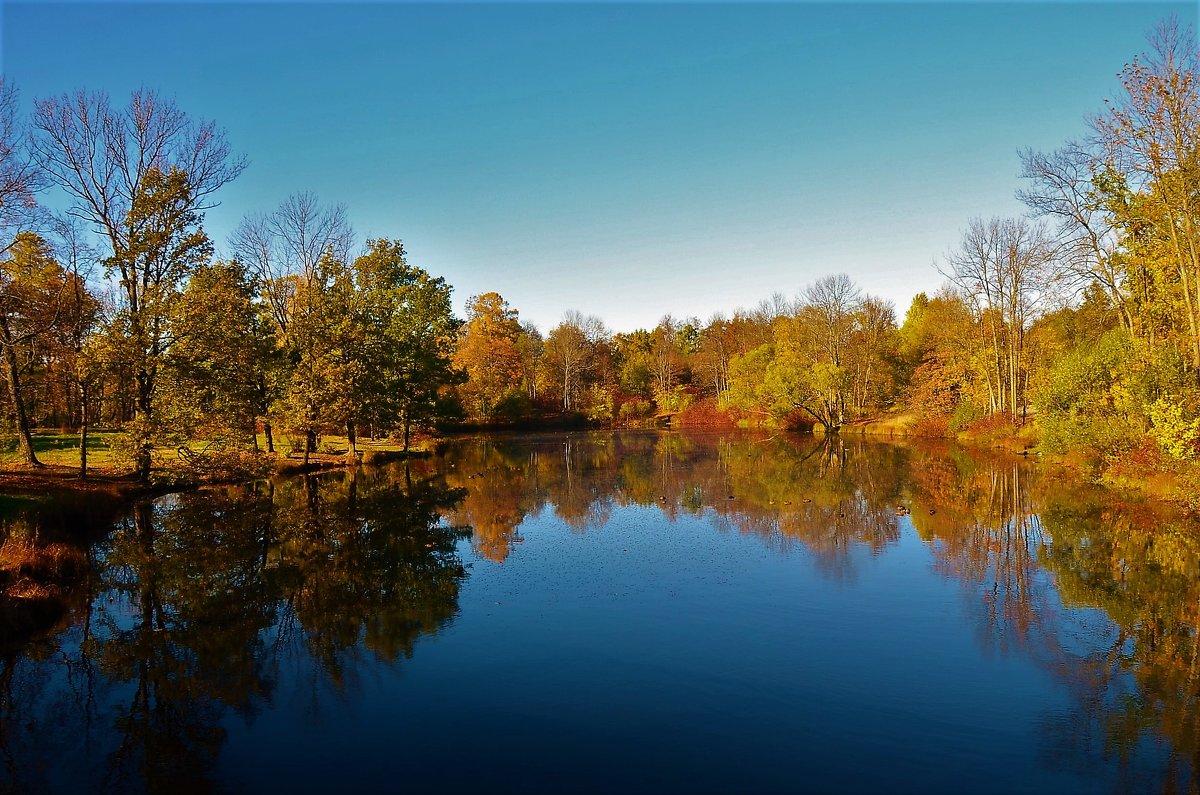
<point x="1027" y="546"/>
<point x="204" y="605"/>
<point x="827" y="496"/>
<point x="205" y="601"/>
<point x="1024" y="546"/>
<point x="987" y="536"/>
<point x="1141" y="566"/>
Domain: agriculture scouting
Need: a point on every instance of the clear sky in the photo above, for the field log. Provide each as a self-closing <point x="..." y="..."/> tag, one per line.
<point x="623" y="160"/>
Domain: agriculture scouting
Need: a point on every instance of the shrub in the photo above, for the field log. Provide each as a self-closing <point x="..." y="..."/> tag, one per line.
<point x="513" y="407"/>
<point x="673" y="401"/>
<point x="598" y="404"/>
<point x="635" y="409"/>
<point x="964" y="415"/>
<point x="1170" y="425"/>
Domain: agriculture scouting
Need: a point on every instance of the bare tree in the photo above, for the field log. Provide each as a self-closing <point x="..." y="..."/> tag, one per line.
<point x="570" y="352"/>
<point x="79" y="259"/>
<point x="20" y="174"/>
<point x="830" y="303"/>
<point x="288" y="243"/>
<point x="142" y="175"/>
<point x="1002" y="268"/>
<point x="284" y="250"/>
<point x="1062" y="188"/>
<point x="666" y="354"/>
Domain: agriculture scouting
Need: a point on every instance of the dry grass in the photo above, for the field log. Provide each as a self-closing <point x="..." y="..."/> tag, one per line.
<point x="892" y="424"/>
<point x="33" y="584"/>
<point x="46" y="564"/>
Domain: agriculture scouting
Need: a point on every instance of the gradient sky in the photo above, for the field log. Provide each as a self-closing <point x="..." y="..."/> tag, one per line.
<point x="623" y="160"/>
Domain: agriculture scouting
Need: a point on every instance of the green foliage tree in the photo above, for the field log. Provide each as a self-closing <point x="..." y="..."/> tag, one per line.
<point x="409" y="331"/>
<point x="217" y="356"/>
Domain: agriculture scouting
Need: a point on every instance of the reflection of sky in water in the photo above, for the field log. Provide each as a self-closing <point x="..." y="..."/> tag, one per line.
<point x="614" y="631"/>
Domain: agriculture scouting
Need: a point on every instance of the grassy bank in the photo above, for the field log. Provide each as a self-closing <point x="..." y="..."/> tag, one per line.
<point x="109" y="472"/>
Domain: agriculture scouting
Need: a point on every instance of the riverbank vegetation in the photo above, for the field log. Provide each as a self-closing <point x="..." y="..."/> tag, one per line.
<point x="1074" y="328"/>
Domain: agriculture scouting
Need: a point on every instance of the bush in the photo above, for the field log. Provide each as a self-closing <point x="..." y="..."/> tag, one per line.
<point x="598" y="404"/>
<point x="931" y="426"/>
<point x="1170" y="425"/>
<point x="674" y="401"/>
<point x="513" y="407"/>
<point x="964" y="415"/>
<point x="635" y="409"/>
<point x="1100" y="438"/>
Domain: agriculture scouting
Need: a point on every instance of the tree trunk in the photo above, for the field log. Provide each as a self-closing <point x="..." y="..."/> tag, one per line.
<point x="407" y="429"/>
<point x="270" y="437"/>
<point x="12" y="370"/>
<point x="144" y="450"/>
<point x="83" y="430"/>
<point x="352" y="440"/>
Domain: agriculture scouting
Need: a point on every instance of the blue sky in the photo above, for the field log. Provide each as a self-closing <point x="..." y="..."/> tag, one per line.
<point x="623" y="160"/>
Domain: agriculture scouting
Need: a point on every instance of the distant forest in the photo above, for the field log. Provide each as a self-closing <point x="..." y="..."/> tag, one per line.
<point x="1075" y="327"/>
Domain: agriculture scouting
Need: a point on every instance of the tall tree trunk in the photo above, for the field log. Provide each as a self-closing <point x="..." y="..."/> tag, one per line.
<point x="144" y="449"/>
<point x="270" y="437"/>
<point x="352" y="441"/>
<point x="16" y="400"/>
<point x="83" y="430"/>
<point x="407" y="429"/>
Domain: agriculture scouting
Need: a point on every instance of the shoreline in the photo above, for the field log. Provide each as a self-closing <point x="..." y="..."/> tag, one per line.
<point x="54" y="481"/>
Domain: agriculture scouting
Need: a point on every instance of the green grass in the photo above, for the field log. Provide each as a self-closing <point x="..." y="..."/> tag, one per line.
<point x="60" y="449"/>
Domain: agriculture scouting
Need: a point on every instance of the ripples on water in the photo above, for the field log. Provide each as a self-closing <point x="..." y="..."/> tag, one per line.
<point x="632" y="612"/>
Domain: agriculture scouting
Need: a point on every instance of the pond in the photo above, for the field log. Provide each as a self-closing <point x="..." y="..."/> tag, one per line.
<point x="651" y="612"/>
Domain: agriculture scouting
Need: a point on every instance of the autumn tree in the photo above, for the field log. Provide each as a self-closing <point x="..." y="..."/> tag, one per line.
<point x="667" y="359"/>
<point x="488" y="353"/>
<point x="74" y="335"/>
<point x="571" y="354"/>
<point x="330" y="353"/>
<point x="531" y="345"/>
<point x="220" y="340"/>
<point x="1149" y="139"/>
<point x="283" y="249"/>
<point x="871" y="355"/>
<point x="41" y="304"/>
<point x="937" y="346"/>
<point x="633" y="359"/>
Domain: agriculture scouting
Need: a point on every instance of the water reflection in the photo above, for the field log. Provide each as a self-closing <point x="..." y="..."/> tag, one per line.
<point x="1038" y="556"/>
<point x="826" y="496"/>
<point x="208" y="603"/>
<point x="201" y="607"/>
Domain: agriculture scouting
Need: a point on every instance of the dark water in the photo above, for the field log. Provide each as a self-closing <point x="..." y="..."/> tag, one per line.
<point x="634" y="612"/>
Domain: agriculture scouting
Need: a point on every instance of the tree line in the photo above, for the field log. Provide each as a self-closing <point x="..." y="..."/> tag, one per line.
<point x="1082" y="316"/>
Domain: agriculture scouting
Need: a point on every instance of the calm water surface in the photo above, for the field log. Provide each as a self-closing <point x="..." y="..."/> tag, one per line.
<point x="624" y="612"/>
